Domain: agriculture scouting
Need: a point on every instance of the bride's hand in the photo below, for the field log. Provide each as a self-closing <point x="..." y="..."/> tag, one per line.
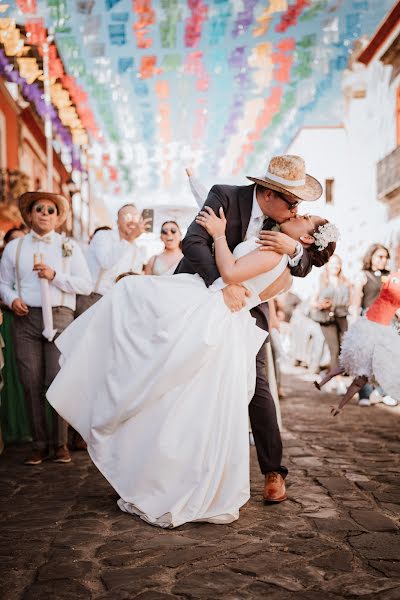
<point x="214" y="225"/>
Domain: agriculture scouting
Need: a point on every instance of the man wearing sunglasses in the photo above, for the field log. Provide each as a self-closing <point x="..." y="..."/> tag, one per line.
<point x="42" y="254"/>
<point x="256" y="210"/>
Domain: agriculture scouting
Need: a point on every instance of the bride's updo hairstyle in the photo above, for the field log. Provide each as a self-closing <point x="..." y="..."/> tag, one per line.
<point x="320" y="255"/>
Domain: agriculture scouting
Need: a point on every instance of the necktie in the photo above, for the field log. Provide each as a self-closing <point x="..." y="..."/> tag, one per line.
<point x="46" y="239"/>
<point x="269" y="224"/>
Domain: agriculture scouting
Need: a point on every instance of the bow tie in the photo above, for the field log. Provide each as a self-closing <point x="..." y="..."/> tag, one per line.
<point x="269" y="224"/>
<point x="46" y="239"/>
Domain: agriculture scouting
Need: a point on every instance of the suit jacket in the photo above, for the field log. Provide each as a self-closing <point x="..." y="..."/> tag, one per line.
<point x="237" y="202"/>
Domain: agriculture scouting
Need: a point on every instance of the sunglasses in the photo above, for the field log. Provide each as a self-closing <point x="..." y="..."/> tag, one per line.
<point x="290" y="204"/>
<point x="167" y="231"/>
<point x="311" y="223"/>
<point x="40" y="208"/>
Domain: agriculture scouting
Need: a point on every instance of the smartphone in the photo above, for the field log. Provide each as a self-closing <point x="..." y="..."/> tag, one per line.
<point x="148" y="213"/>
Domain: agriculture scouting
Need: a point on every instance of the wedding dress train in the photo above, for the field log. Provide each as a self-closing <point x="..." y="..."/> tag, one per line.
<point x="157" y="377"/>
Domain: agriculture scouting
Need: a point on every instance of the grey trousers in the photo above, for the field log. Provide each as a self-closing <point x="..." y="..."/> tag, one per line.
<point x="333" y="334"/>
<point x="85" y="302"/>
<point x="37" y="362"/>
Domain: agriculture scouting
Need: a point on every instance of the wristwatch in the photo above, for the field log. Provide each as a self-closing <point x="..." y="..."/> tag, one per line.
<point x="296" y="250"/>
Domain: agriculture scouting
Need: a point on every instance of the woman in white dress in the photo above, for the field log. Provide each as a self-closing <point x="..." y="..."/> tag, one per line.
<point x="166" y="262"/>
<point x="157" y="377"/>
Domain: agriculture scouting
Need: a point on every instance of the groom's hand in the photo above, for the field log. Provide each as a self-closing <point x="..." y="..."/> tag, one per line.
<point x="235" y="296"/>
<point x="278" y="242"/>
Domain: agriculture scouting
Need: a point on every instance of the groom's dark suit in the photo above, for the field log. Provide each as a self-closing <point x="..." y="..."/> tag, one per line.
<point x="237" y="202"/>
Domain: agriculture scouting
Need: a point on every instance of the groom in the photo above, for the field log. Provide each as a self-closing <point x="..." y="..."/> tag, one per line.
<point x="249" y="209"/>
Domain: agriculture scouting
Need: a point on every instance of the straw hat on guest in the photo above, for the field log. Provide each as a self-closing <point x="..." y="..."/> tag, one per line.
<point x="26" y="201"/>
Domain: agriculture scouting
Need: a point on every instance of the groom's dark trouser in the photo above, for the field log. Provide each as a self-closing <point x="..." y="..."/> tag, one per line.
<point x="264" y="423"/>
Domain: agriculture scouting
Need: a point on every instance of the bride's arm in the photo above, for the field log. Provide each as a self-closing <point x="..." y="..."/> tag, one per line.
<point x="234" y="270"/>
<point x="237" y="270"/>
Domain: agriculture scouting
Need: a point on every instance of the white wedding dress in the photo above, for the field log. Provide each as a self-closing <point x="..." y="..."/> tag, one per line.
<point x="157" y="377"/>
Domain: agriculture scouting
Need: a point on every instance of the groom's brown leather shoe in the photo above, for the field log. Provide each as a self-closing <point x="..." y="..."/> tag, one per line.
<point x="274" y="488"/>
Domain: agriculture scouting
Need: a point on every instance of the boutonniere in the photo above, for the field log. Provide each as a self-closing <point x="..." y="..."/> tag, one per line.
<point x="67" y="248"/>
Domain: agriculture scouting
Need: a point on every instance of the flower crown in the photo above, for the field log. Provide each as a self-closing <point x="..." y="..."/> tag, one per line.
<point x="325" y="234"/>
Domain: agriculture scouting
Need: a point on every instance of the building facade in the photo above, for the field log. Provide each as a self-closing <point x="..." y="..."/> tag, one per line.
<point x="358" y="160"/>
<point x="381" y="59"/>
<point x="23" y="156"/>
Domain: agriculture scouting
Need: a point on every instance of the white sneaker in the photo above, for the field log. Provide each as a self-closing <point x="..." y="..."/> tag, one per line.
<point x="375" y="397"/>
<point x="389" y="401"/>
<point x="364" y="402"/>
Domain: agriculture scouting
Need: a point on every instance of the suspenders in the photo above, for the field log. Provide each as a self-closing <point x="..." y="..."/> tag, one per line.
<point x="18" y="272"/>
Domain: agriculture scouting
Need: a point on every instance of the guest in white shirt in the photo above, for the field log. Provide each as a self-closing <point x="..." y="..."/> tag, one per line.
<point x="83" y="302"/>
<point x="40" y="275"/>
<point x="111" y="253"/>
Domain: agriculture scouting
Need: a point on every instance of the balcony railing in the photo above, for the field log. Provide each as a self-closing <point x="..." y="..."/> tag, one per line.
<point x="388" y="176"/>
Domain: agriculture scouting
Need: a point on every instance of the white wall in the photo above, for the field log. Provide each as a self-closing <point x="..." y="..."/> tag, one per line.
<point x="349" y="154"/>
<point x="360" y="219"/>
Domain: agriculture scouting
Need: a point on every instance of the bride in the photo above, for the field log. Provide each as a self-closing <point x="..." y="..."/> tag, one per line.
<point x="157" y="376"/>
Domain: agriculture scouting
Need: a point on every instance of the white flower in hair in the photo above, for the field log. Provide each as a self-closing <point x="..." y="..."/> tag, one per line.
<point x="325" y="234"/>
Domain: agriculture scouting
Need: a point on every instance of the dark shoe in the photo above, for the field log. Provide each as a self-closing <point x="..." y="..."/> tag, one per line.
<point x="37" y="457"/>
<point x="62" y="455"/>
<point x="274" y="488"/>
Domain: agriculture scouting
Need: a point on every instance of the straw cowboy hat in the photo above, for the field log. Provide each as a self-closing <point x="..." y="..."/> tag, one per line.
<point x="287" y="174"/>
<point x="26" y="200"/>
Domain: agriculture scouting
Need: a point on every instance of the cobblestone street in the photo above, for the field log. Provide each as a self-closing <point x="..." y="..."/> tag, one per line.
<point x="63" y="536"/>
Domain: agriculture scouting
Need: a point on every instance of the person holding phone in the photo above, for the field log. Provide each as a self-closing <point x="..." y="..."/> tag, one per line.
<point x="166" y="262"/>
<point x="114" y="252"/>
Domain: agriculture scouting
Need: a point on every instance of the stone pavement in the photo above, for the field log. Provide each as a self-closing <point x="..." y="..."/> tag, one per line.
<point x="63" y="537"/>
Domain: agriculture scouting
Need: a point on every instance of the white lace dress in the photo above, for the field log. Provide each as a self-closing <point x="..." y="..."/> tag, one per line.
<point x="156" y="377"/>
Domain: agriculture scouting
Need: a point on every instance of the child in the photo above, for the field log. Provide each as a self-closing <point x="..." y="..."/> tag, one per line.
<point x="371" y="347"/>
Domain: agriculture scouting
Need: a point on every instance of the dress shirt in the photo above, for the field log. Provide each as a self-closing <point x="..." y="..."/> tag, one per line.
<point x="253" y="229"/>
<point x="198" y="190"/>
<point x="256" y="219"/>
<point x="255" y="224"/>
<point x="72" y="273"/>
<point x="109" y="256"/>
